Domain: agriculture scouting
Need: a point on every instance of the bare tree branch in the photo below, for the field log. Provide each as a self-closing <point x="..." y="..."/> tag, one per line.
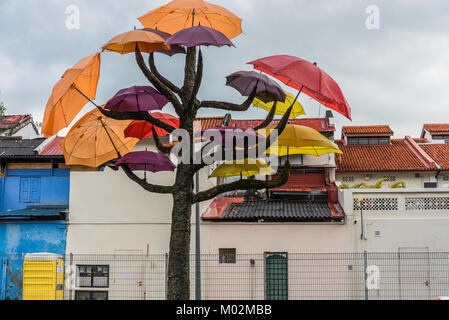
<point x="161" y="78"/>
<point x="198" y="80"/>
<point x="189" y="75"/>
<point x="147" y="186"/>
<point x="230" y="106"/>
<point x="161" y="147"/>
<point x="268" y="119"/>
<point x="158" y="84"/>
<point x="244" y="185"/>
<point x="137" y="116"/>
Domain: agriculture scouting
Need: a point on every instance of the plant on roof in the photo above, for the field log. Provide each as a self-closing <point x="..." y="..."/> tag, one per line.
<point x="398" y="185"/>
<point x="360" y="185"/>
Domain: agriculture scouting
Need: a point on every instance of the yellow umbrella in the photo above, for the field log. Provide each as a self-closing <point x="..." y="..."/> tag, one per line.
<point x="282" y="107"/>
<point x="126" y="42"/>
<point x="66" y="101"/>
<point x="296" y="139"/>
<point x="96" y="139"/>
<point x="182" y="14"/>
<point x="246" y="168"/>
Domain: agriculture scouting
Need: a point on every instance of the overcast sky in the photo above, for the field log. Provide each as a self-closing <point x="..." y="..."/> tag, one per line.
<point x="397" y="74"/>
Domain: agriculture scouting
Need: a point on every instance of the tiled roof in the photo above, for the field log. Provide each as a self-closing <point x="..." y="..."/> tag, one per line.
<point x="204" y="123"/>
<point x="11" y="121"/>
<point x="437" y="128"/>
<point x="383" y="130"/>
<point x="54" y="148"/>
<point x="279" y="211"/>
<point x="17" y="147"/>
<point x="396" y="156"/>
<point x="319" y="124"/>
<point x="439" y="153"/>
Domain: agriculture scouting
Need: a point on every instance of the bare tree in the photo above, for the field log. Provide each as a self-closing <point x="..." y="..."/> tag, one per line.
<point x="186" y="104"/>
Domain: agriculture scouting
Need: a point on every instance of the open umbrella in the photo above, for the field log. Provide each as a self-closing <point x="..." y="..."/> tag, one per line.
<point x="245" y="168"/>
<point x="305" y="77"/>
<point x="95" y="140"/>
<point x="174" y="49"/>
<point x="245" y="82"/>
<point x="126" y="42"/>
<point x="282" y="107"/>
<point x="66" y="101"/>
<point x="238" y="133"/>
<point x="180" y="14"/>
<point x="137" y="98"/>
<point x="142" y="129"/>
<point x="199" y="36"/>
<point x="297" y="139"/>
<point x="146" y="161"/>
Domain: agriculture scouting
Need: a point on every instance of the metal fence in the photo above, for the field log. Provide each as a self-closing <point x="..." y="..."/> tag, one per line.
<point x="272" y="276"/>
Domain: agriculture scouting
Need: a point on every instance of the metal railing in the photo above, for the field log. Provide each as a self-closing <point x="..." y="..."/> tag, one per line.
<point x="278" y="275"/>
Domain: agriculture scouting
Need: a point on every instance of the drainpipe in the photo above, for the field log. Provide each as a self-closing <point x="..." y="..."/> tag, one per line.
<point x="438" y="173"/>
<point x="197" y="242"/>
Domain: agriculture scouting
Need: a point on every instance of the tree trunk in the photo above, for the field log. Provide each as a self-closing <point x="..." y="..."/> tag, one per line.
<point x="179" y="257"/>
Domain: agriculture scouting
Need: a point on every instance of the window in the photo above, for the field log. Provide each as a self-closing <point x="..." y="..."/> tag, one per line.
<point x="90" y="276"/>
<point x="440" y="137"/>
<point x="227" y="255"/>
<point x="417" y="175"/>
<point x="355" y="141"/>
<point x="30" y="190"/>
<point x="390" y="178"/>
<point x="348" y="179"/>
<point x="91" y="295"/>
<point x="295" y="160"/>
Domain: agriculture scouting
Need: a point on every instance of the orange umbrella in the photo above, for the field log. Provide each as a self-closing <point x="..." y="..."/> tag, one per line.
<point x="96" y="139"/>
<point x="65" y="101"/>
<point x="181" y="14"/>
<point x="126" y="42"/>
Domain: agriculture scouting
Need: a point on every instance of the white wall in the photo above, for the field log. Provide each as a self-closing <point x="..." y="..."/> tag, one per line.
<point x="408" y="177"/>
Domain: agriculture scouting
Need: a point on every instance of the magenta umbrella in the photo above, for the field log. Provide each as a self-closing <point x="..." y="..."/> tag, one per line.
<point x="137" y="98"/>
<point x="174" y="49"/>
<point x="199" y="36"/>
<point x="236" y="132"/>
<point x="245" y="82"/>
<point x="146" y="161"/>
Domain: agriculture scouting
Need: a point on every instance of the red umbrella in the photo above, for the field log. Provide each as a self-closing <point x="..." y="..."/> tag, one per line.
<point x="305" y="77"/>
<point x="142" y="129"/>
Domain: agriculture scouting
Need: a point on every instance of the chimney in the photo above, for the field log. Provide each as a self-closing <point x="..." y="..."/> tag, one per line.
<point x="330" y="119"/>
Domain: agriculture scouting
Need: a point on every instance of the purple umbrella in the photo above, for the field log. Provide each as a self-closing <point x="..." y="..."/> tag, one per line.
<point x="146" y="161"/>
<point x="174" y="49"/>
<point x="135" y="99"/>
<point x="199" y="36"/>
<point x="245" y="81"/>
<point x="228" y="133"/>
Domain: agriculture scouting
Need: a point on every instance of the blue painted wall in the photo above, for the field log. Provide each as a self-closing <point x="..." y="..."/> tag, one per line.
<point x="19" y="189"/>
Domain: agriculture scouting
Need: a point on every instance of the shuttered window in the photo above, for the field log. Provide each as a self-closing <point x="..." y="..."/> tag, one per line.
<point x="30" y="190"/>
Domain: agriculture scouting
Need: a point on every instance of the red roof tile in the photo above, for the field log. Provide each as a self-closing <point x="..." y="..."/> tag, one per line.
<point x="437" y="128"/>
<point x="396" y="156"/>
<point x="382" y="130"/>
<point x="319" y="124"/>
<point x="439" y="153"/>
<point x="299" y="182"/>
<point x="54" y="148"/>
<point x="204" y="123"/>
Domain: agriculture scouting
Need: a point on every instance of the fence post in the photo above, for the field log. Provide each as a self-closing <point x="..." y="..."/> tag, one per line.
<point x="365" y="267"/>
<point x="166" y="276"/>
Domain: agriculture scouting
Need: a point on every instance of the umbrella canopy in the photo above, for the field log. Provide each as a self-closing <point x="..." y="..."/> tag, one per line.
<point x="137" y="98"/>
<point x="303" y="75"/>
<point x="282" y="107"/>
<point x="296" y="139"/>
<point x="146" y="161"/>
<point x="126" y="42"/>
<point x="232" y="132"/>
<point x="65" y="101"/>
<point x="174" y="49"/>
<point x="142" y="129"/>
<point x="245" y="168"/>
<point x="95" y="140"/>
<point x="245" y="82"/>
<point x="199" y="36"/>
<point x="180" y="14"/>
